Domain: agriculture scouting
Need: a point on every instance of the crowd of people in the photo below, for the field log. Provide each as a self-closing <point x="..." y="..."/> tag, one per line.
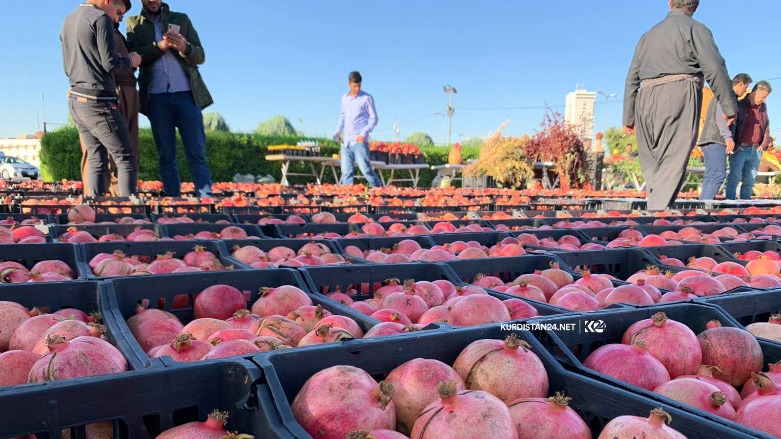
<point x="164" y="47"/>
<point x="663" y="105"/>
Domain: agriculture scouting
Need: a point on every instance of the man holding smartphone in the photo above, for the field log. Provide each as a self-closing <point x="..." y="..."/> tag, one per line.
<point x="172" y="90"/>
<point x="358" y="118"/>
<point x="90" y="60"/>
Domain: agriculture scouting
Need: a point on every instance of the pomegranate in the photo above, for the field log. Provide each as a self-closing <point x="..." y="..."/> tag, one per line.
<point x="670" y="342"/>
<point x="655" y="426"/>
<point x="323" y="334"/>
<point x="699" y="394"/>
<point x="549" y="418"/>
<point x="675" y="296"/>
<point x="80" y="214"/>
<point x="385" y="329"/>
<point x="184" y="348"/>
<point x="165" y="264"/>
<point x="414" y="386"/>
<point x="632" y="364"/>
<point x="518" y="309"/>
<point x="701" y="285"/>
<point x="773" y="373"/>
<point x="631" y="294"/>
<point x="705" y="373"/>
<point x="464" y="415"/>
<point x="526" y="291"/>
<point x="248" y="255"/>
<point x="267" y="344"/>
<point x="376" y="434"/>
<point x="16" y="366"/>
<point x="407" y="303"/>
<point x="229" y="334"/>
<point x="538" y="280"/>
<point x="212" y="428"/>
<point x="68" y="330"/>
<point x="595" y="283"/>
<point x="308" y="316"/>
<point x="321" y="404"/>
<point x="280" y="301"/>
<point x="80" y="357"/>
<point x="12" y="315"/>
<point x="53" y="267"/>
<point x="764" y="281"/>
<point x="199" y="256"/>
<point x="557" y="275"/>
<point x="219" y="302"/>
<point x="143" y="315"/>
<point x="27" y="334"/>
<point x="288" y="331"/>
<point x="733" y="351"/>
<point x="202" y="328"/>
<point x="731" y="281"/>
<point x="485" y="364"/>
<point x="478" y="309"/>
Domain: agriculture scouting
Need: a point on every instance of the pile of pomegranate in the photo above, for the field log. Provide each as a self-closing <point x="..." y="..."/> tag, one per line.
<point x="36" y="347"/>
<point x="229" y="232"/>
<point x="428" y="399"/>
<point x="705" y="371"/>
<point x="282" y="317"/>
<point x="420" y="303"/>
<point x="74" y="235"/>
<point x="105" y="265"/>
<point x="44" y="271"/>
<point x="310" y="254"/>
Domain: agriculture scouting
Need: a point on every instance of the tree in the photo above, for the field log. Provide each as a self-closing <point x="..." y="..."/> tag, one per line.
<point x="616" y="140"/>
<point x="420" y="138"/>
<point x="276" y="126"/>
<point x="472" y="142"/>
<point x="215" y="122"/>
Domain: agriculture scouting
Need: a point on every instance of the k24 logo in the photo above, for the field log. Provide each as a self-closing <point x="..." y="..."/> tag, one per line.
<point x="597" y="326"/>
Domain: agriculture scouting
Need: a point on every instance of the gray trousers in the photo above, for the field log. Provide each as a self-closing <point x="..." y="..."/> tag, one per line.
<point x="667" y="124"/>
<point x="104" y="132"/>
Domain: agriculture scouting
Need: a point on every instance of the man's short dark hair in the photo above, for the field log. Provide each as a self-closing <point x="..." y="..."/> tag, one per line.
<point x="762" y="86"/>
<point x="686" y="5"/>
<point x="742" y="78"/>
<point x="355" y="78"/>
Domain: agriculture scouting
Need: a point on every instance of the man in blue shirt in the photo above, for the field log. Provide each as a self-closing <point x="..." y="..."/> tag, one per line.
<point x="358" y="119"/>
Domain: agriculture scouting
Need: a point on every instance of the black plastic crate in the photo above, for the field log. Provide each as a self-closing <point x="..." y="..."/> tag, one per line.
<point x="151" y="249"/>
<point x="252" y="210"/>
<point x="506" y="269"/>
<point x="113" y="207"/>
<point x="19" y="217"/>
<point x="624" y="204"/>
<point x="172" y="230"/>
<point x="520" y="223"/>
<point x="310" y="230"/>
<point x="375" y="217"/>
<point x="84" y="296"/>
<point x="709" y="219"/>
<point x="556" y="234"/>
<point x="460" y="223"/>
<point x="684" y="252"/>
<point x="574" y="346"/>
<point x="179" y="206"/>
<point x="760" y="245"/>
<point x="604" y="234"/>
<point x="104" y="217"/>
<point x="753" y="228"/>
<point x="620" y="263"/>
<point x="285" y="373"/>
<point x="487" y="239"/>
<point x="30" y="254"/>
<point x="197" y="217"/>
<point x="747" y="306"/>
<point x="151" y="402"/>
<point x="705" y="228"/>
<point x="124" y="296"/>
<point x="294" y="244"/>
<point x="108" y="229"/>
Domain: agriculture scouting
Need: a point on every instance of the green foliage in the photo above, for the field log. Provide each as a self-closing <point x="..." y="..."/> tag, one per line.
<point x="419" y="138"/>
<point x="472" y="142"/>
<point x="616" y="140"/>
<point x="228" y="154"/>
<point x="276" y="126"/>
<point x="215" y="122"/>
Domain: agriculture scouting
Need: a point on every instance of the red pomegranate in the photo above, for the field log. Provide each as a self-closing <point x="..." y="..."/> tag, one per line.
<point x="549" y="418"/>
<point x="655" y="426"/>
<point x="670" y="342"/>
<point x="735" y="352"/>
<point x="632" y="364"/>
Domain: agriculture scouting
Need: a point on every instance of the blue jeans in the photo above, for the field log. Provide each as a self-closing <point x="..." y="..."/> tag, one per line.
<point x="352" y="153"/>
<point x="743" y="166"/>
<point x="715" y="170"/>
<point x="166" y="113"/>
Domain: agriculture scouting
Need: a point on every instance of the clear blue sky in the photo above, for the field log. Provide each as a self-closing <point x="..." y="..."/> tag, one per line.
<point x="292" y="57"/>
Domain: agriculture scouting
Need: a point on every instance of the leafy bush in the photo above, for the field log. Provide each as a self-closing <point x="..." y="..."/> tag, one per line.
<point x="276" y="126"/>
<point x="420" y="138"/>
<point x="215" y="122"/>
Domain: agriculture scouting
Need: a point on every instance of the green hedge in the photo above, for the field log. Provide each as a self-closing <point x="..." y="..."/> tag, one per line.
<point x="228" y="154"/>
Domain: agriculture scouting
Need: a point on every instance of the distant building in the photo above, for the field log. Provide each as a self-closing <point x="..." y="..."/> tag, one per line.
<point x="580" y="112"/>
<point x="25" y="147"/>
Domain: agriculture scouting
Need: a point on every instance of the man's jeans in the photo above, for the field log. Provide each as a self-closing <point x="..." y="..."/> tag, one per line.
<point x="715" y="170"/>
<point x="743" y="166"/>
<point x="357" y="153"/>
<point x="104" y="132"/>
<point x="166" y="113"/>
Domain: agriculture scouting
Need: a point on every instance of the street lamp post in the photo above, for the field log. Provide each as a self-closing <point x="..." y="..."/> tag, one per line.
<point x="607" y="97"/>
<point x="450" y="110"/>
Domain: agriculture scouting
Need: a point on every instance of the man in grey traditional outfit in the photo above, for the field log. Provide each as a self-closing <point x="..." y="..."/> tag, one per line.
<point x="663" y="97"/>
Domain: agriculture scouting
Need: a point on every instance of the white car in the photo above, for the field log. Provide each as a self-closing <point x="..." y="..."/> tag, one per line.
<point x="12" y="168"/>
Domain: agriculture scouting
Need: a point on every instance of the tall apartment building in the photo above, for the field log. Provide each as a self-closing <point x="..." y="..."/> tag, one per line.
<point x="579" y="112"/>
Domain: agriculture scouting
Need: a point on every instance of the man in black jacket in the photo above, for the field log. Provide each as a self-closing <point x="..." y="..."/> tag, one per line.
<point x="90" y="59"/>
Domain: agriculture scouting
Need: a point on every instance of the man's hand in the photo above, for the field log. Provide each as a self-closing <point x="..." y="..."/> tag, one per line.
<point x="630" y="130"/>
<point x="176" y="42"/>
<point x="135" y="59"/>
<point x="360" y="139"/>
<point x="730" y="146"/>
<point x="163" y="44"/>
<point x="730" y="120"/>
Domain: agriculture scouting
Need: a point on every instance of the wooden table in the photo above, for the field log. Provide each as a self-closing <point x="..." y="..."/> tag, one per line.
<point x="414" y="173"/>
<point x="312" y="161"/>
<point x="334" y="163"/>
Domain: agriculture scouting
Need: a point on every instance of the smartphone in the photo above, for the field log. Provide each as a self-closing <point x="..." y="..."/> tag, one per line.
<point x="173" y="28"/>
